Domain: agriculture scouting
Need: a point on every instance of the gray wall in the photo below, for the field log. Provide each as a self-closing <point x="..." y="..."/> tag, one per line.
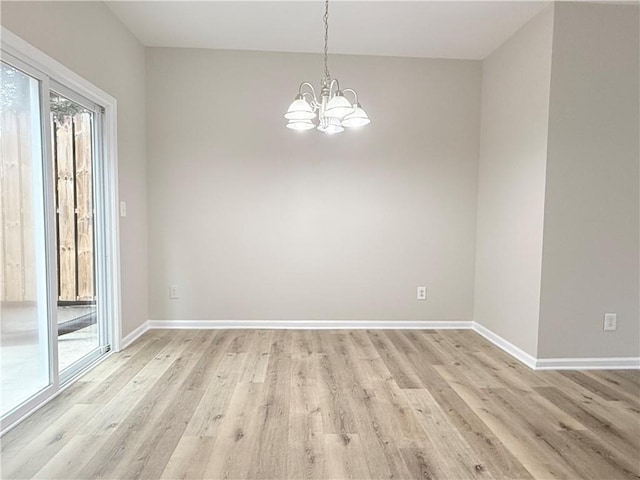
<point x="558" y="199"/>
<point x="513" y="155"/>
<point x="590" y="262"/>
<point x="251" y="220"/>
<point x="254" y="221"/>
<point x="88" y="39"/>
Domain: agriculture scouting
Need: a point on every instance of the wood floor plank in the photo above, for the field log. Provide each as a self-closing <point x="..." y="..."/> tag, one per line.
<point x="270" y="459"/>
<point x="218" y="386"/>
<point x="445" y="450"/>
<point x="598" y="388"/>
<point x="189" y="458"/>
<point x="361" y="346"/>
<point x="149" y="458"/>
<point x="66" y="463"/>
<point x="275" y="404"/>
<point x="236" y="434"/>
<point x="337" y="414"/>
<point x="624" y="389"/>
<point x="521" y="443"/>
<point x="114" y="411"/>
<point x="424" y="346"/>
<point x="305" y="437"/>
<point x="348" y="460"/>
<point x="143" y="427"/>
<point x="624" y="437"/>
<point x="615" y="411"/>
<point x="101" y="390"/>
<point x="21" y="435"/>
<point x="47" y="445"/>
<point x="104" y="369"/>
<point x="624" y="384"/>
<point x="469" y="418"/>
<point x="402" y="372"/>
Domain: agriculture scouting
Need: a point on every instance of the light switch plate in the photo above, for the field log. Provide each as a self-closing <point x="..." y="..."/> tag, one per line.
<point x="610" y="322"/>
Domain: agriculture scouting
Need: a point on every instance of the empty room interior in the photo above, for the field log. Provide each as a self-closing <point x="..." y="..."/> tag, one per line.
<point x="320" y="239"/>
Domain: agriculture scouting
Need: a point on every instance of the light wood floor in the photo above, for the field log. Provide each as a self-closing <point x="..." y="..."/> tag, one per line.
<point x="329" y="404"/>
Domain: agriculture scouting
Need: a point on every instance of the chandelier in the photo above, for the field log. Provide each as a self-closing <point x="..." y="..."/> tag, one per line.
<point x="333" y="110"/>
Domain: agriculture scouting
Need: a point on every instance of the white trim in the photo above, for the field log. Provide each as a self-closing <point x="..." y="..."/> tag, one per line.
<point x="133" y="336"/>
<point x="310" y="324"/>
<point x="611" y="363"/>
<point x="111" y="209"/>
<point x="505" y="345"/>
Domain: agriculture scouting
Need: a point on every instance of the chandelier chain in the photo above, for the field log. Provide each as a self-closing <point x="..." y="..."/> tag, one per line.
<point x="326" y="41"/>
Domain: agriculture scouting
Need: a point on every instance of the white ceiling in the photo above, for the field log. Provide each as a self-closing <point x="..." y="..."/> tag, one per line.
<point x="435" y="29"/>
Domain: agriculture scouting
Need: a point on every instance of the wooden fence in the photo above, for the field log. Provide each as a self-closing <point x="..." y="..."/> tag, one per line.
<point x="71" y="142"/>
<point x="16" y="168"/>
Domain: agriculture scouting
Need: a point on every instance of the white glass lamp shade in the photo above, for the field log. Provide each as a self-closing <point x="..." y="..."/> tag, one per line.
<point x="358" y="118"/>
<point x="300" y="110"/>
<point x="300" y="124"/>
<point x="331" y="127"/>
<point x="338" y="107"/>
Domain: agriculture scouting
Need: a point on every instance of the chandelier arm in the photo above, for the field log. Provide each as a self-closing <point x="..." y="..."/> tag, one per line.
<point x="334" y="81"/>
<point x="355" y="94"/>
<point x="311" y="99"/>
<point x="313" y="90"/>
<point x="309" y="95"/>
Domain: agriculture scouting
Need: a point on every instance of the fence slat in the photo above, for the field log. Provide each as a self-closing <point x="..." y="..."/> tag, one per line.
<point x="28" y="219"/>
<point x="66" y="210"/>
<point x="11" y="209"/>
<point x="84" y="200"/>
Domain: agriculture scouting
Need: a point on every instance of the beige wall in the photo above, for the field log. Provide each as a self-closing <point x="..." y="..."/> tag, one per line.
<point x="590" y="262"/>
<point x="88" y="39"/>
<point x="254" y="221"/>
<point x="513" y="153"/>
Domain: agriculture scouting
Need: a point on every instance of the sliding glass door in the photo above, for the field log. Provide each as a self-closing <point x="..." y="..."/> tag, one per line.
<point x="25" y="309"/>
<point x="53" y="237"/>
<point x="75" y="134"/>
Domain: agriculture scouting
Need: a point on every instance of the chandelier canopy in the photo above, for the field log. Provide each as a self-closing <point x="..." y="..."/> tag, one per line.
<point x="333" y="111"/>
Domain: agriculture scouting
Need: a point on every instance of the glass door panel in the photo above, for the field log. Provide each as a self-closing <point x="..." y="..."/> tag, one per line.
<point x="72" y="131"/>
<point x="25" y="365"/>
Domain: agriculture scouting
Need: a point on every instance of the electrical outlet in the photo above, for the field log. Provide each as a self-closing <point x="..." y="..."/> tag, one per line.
<point x="610" y="321"/>
<point x="421" y="293"/>
<point x="173" y="291"/>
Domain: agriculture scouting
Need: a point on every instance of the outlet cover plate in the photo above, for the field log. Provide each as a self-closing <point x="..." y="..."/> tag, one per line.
<point x="421" y="293"/>
<point x="173" y="292"/>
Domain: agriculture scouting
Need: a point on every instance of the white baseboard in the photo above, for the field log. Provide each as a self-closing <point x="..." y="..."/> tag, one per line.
<point x="311" y="324"/>
<point x="497" y="340"/>
<point x="133" y="336"/>
<point x="505" y="345"/>
<point x="606" y="363"/>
